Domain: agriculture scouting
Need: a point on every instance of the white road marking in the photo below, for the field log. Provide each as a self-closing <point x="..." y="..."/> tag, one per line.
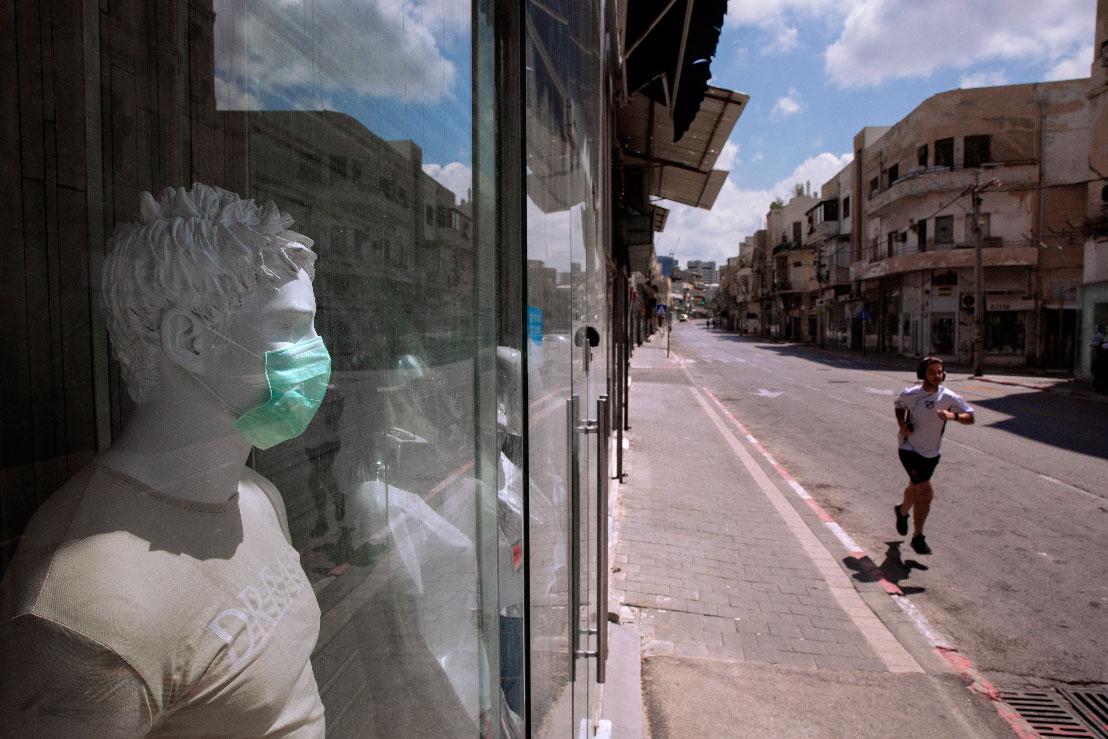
<point x="924" y="626"/>
<point x="844" y="538"/>
<point x="799" y="490"/>
<point x="762" y="392"/>
<point x="877" y="391"/>
<point x="1056" y="481"/>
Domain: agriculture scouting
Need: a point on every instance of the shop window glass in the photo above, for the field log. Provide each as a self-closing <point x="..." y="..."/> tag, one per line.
<point x="1005" y="332"/>
<point x="266" y="473"/>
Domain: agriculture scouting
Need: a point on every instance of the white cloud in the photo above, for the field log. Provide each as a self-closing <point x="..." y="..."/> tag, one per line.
<point x="1072" y="67"/>
<point x="984" y="78"/>
<point x="889" y="39"/>
<point x="693" y="233"/>
<point x="788" y="105"/>
<point x="785" y="39"/>
<point x="729" y="157"/>
<point x="455" y="176"/>
<point x="766" y="12"/>
<point x="374" y="48"/>
<point x="758" y="156"/>
<point x="229" y="96"/>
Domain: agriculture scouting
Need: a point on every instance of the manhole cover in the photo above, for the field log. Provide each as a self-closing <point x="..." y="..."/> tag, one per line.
<point x="1091" y="705"/>
<point x="1047" y="714"/>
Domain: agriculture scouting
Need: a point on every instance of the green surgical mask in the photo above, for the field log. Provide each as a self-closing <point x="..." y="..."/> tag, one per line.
<point x="297" y="377"/>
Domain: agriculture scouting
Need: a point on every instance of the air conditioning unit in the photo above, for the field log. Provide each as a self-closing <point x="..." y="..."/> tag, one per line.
<point x="969" y="302"/>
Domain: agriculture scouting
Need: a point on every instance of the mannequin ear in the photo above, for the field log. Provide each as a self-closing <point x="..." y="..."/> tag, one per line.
<point x="182" y="339"/>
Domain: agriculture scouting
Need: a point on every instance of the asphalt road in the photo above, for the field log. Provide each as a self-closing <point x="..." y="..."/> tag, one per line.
<point x="1019" y="527"/>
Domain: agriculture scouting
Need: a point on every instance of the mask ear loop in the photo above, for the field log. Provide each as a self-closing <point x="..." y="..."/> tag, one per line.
<point x="227" y="406"/>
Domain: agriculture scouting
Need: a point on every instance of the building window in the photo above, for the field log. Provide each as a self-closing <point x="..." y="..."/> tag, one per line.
<point x="874" y="186"/>
<point x="1005" y="332"/>
<point x="430" y="215"/>
<point x="921" y="235"/>
<point x="890" y="241"/>
<point x="893" y="173"/>
<point x="309" y="169"/>
<point x="338" y="167"/>
<point x="796" y="233"/>
<point x="846" y="207"/>
<point x="361" y="238"/>
<point x="944" y="232"/>
<point x="921" y="156"/>
<point x="944" y="153"/>
<point x="977" y="151"/>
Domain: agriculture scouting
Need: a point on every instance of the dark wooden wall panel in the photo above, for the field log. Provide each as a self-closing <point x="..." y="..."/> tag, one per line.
<point x="76" y="318"/>
<point x="29" y="41"/>
<point x="69" y="87"/>
<point x="158" y="127"/>
<point x="16" y="454"/>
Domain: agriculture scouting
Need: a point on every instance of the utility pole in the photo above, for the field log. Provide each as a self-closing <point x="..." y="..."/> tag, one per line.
<point x="979" y="281"/>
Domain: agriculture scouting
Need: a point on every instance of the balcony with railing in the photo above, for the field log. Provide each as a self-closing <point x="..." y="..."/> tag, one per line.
<point x="884" y="259"/>
<point x="786" y="247"/>
<point x="826" y="231"/>
<point x="947" y="180"/>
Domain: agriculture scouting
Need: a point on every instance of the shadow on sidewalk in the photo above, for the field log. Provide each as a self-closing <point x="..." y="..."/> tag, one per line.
<point x="892" y="568"/>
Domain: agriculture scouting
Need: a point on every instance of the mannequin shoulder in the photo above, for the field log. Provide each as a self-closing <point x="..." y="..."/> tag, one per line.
<point x="253" y="479"/>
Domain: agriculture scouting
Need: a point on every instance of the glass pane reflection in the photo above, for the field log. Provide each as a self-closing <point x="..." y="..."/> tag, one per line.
<point x="402" y="501"/>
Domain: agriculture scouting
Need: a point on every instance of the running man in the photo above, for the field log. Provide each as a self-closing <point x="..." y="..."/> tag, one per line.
<point x="922" y="412"/>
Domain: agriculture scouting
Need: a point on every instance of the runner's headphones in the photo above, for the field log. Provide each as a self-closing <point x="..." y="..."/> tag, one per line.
<point x="921" y="368"/>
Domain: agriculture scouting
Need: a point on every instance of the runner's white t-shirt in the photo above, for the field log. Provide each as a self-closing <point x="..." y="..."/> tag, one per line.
<point x="927" y="428"/>
<point x="125" y="612"/>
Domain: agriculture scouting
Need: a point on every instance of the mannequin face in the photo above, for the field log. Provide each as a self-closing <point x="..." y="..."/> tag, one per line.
<point x="268" y="320"/>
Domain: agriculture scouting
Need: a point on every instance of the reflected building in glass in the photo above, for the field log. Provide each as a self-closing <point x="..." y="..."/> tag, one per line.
<point x="363" y="324"/>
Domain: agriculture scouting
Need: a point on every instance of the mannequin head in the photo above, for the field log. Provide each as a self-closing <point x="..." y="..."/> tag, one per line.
<point x="203" y="282"/>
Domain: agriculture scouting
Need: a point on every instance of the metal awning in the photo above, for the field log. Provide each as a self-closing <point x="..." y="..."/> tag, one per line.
<point x="665" y="49"/>
<point x="681" y="171"/>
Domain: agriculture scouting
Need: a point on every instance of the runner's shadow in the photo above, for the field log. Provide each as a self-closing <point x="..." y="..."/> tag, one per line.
<point x="892" y="568"/>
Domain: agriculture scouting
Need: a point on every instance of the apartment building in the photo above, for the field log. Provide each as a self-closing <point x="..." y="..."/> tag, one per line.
<point x="1019" y="153"/>
<point x="829" y="229"/>
<point x="791" y="266"/>
<point x="1094" y="280"/>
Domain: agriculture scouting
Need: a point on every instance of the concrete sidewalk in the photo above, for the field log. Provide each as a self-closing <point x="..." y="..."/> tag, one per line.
<point x="738" y="615"/>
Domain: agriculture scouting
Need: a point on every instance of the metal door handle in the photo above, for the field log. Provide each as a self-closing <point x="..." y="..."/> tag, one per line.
<point x="573" y="431"/>
<point x="603" y="425"/>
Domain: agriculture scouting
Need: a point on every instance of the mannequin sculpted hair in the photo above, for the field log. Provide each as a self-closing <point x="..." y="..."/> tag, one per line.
<point x="200" y="251"/>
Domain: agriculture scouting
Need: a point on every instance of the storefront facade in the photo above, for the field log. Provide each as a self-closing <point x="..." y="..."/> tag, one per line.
<point x="446" y="501"/>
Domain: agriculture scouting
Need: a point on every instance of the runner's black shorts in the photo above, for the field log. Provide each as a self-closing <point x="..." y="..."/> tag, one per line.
<point x="918" y="467"/>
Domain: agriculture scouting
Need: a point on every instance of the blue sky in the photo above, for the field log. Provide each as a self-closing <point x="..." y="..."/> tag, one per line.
<point x="817" y="71"/>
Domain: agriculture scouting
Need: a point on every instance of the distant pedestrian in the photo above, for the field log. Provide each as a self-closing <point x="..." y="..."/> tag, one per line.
<point x="922" y="412"/>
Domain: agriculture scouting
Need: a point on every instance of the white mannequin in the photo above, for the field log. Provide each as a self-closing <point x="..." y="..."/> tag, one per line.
<point x="157" y="590"/>
<point x="182" y="441"/>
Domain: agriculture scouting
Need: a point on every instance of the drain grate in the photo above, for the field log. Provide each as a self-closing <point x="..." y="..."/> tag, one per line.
<point x="1047" y="714"/>
<point x="1091" y="705"/>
